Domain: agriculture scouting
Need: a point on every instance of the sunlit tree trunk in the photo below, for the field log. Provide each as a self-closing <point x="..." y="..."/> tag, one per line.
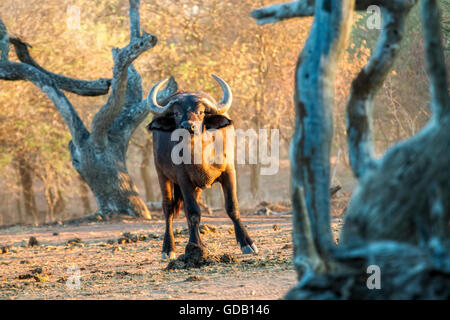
<point x="55" y="203"/>
<point x="26" y="180"/>
<point x="255" y="170"/>
<point x="60" y="205"/>
<point x="19" y="209"/>
<point x="145" y="170"/>
<point x="18" y="195"/>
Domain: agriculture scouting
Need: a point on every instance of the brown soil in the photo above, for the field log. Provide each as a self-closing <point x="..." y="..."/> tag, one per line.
<point x="122" y="260"/>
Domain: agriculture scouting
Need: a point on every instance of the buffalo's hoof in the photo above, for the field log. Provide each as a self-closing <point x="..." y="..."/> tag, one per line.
<point x="249" y="249"/>
<point x="170" y="256"/>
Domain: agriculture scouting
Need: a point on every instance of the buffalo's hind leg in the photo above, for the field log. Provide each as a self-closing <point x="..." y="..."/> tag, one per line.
<point x="171" y="196"/>
<point x="228" y="182"/>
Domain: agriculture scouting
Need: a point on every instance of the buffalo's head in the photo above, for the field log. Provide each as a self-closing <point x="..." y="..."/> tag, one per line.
<point x="186" y="110"/>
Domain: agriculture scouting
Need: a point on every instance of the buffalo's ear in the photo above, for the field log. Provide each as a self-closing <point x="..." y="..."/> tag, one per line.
<point x="216" y="121"/>
<point x="162" y="124"/>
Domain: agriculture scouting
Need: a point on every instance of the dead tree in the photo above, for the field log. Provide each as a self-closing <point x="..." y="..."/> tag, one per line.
<point x="398" y="217"/>
<point x="99" y="155"/>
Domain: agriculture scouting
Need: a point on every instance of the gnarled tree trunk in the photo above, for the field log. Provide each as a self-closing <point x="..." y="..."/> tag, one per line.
<point x="99" y="155"/>
<point x="106" y="174"/>
<point x="397" y="222"/>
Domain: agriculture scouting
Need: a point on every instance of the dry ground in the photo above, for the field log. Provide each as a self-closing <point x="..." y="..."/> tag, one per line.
<point x="134" y="270"/>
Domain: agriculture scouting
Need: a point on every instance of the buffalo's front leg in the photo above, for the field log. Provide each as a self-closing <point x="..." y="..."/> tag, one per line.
<point x="171" y="202"/>
<point x="195" y="247"/>
<point x="228" y="182"/>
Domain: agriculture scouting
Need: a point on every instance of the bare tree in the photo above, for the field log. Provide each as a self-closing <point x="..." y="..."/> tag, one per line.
<point x="398" y="217"/>
<point x="99" y="155"/>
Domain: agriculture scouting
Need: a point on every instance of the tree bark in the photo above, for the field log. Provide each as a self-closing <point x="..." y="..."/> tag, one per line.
<point x="107" y="176"/>
<point x="84" y="195"/>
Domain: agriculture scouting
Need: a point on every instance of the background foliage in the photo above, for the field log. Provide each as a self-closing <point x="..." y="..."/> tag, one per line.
<point x="196" y="38"/>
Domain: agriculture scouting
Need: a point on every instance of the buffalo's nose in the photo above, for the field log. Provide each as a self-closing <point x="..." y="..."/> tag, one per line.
<point x="189" y="126"/>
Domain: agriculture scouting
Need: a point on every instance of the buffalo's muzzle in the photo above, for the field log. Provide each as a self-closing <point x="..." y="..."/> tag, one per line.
<point x="188" y="125"/>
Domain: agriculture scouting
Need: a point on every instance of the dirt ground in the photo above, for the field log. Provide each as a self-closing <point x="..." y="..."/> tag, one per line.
<point x="114" y="266"/>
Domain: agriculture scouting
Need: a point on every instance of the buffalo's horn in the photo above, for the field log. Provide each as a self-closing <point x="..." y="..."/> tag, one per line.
<point x="227" y="97"/>
<point x="152" y="101"/>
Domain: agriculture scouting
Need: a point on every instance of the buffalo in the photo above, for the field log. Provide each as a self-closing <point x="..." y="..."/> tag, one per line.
<point x="198" y="114"/>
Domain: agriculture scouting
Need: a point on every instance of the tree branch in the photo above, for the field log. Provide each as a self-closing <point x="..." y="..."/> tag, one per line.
<point x="134" y="113"/>
<point x="435" y="60"/>
<point x="305" y="8"/>
<point x="311" y="142"/>
<point x="80" y="87"/>
<point x="21" y="71"/>
<point x="305" y="250"/>
<point x="278" y="12"/>
<point x="367" y="83"/>
<point x="135" y="19"/>
<point x="134" y="90"/>
<point x="122" y="60"/>
<point x="51" y="83"/>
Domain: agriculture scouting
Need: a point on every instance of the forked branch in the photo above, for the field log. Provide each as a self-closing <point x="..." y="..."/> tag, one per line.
<point x="311" y="143"/>
<point x="366" y="85"/>
<point x="51" y="83"/>
<point x="133" y="113"/>
<point x="123" y="58"/>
